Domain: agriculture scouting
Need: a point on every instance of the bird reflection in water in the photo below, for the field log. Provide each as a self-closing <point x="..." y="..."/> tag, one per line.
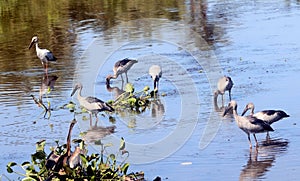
<point x="220" y="110"/>
<point x="47" y="85"/>
<point x="262" y="159"/>
<point x="157" y="108"/>
<point x="96" y="133"/>
<point x="115" y="90"/>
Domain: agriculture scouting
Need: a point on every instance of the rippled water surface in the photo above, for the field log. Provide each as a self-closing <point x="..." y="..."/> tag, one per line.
<point x="182" y="135"/>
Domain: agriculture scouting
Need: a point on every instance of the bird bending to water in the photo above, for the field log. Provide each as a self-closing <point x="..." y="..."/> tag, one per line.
<point x="249" y="124"/>
<point x="155" y="73"/>
<point x="92" y="104"/>
<point x="224" y="84"/>
<point x="120" y="67"/>
<point x="43" y="54"/>
<point x="268" y="116"/>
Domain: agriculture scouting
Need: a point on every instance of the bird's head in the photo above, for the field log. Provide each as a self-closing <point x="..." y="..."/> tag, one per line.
<point x="76" y="87"/>
<point x="108" y="79"/>
<point x="249" y="106"/>
<point x="33" y="41"/>
<point x="231" y="106"/>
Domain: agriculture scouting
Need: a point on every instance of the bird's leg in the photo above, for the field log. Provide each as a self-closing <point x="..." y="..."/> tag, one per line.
<point x="250" y="144"/>
<point x="255" y="140"/>
<point x="122" y="78"/>
<point x="268" y="137"/>
<point x="91" y="122"/>
<point x="126" y="77"/>
<point x="96" y="119"/>
<point x="222" y="100"/>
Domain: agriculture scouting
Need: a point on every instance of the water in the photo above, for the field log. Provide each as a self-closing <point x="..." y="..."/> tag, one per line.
<point x="255" y="43"/>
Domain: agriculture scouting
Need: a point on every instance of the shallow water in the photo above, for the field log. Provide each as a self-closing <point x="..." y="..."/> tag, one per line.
<point x="195" y="43"/>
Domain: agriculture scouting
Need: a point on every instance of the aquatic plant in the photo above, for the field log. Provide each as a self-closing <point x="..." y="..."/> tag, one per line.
<point x="62" y="164"/>
<point x="131" y="100"/>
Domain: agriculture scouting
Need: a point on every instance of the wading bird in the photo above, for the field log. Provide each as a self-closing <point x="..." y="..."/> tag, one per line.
<point x="155" y="73"/>
<point x="224" y="84"/>
<point x="120" y="67"/>
<point x="268" y="116"/>
<point x="43" y="54"/>
<point x="92" y="104"/>
<point x="249" y="124"/>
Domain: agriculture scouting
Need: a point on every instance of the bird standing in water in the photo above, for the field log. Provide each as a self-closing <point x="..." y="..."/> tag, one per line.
<point x="155" y="73"/>
<point x="224" y="84"/>
<point x="249" y="124"/>
<point x="43" y="54"/>
<point x="268" y="116"/>
<point x="92" y="104"/>
<point x="120" y="67"/>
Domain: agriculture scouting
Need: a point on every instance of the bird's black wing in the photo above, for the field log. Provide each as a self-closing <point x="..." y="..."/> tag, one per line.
<point x="269" y="112"/>
<point x="122" y="63"/>
<point x="272" y="112"/>
<point x="50" y="56"/>
<point x="256" y="121"/>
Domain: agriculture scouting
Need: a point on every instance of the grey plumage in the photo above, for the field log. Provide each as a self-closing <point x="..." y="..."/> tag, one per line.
<point x="249" y="124"/>
<point x="268" y="116"/>
<point x="92" y="104"/>
<point x="225" y="83"/>
<point x="120" y="67"/>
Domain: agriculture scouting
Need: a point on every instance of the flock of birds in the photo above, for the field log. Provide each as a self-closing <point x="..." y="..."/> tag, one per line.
<point x="254" y="123"/>
<point x="92" y="104"/>
<point x="258" y="122"/>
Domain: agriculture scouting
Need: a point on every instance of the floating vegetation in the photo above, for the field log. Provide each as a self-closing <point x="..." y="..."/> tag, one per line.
<point x="62" y="164"/>
<point x="134" y="101"/>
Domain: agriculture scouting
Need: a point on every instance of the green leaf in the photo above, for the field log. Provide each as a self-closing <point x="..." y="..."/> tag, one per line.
<point x="24" y="164"/>
<point x="146" y="88"/>
<point x="122" y="145"/>
<point x="71" y="105"/>
<point x="112" y="156"/>
<point x="129" y="88"/>
<point x="9" y="169"/>
<point x="131" y="101"/>
<point x="28" y="179"/>
<point x="85" y="118"/>
<point x="40" y="145"/>
<point x="125" y="168"/>
<point x="85" y="162"/>
<point x="11" y="164"/>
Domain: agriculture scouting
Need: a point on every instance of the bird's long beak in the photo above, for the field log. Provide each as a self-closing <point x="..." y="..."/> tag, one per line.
<point x="156" y="82"/>
<point x="227" y="109"/>
<point x="74" y="90"/>
<point x="244" y="111"/>
<point x="30" y="45"/>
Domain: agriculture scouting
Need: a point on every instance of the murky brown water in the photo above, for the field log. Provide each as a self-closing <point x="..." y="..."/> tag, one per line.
<point x="181" y="136"/>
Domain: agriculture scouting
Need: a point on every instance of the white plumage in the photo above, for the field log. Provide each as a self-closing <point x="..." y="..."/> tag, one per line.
<point x="155" y="73"/>
<point x="43" y="54"/>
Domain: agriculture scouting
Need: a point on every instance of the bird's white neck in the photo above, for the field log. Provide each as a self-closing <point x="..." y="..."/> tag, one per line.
<point x="79" y="93"/>
<point x="37" y="48"/>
